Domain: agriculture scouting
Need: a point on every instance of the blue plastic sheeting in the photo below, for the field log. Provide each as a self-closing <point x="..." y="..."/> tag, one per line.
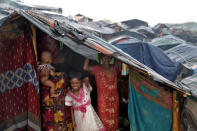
<point x="152" y="57"/>
<point x="182" y="53"/>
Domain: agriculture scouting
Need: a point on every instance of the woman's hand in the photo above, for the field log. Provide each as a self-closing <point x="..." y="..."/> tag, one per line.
<point x="86" y="66"/>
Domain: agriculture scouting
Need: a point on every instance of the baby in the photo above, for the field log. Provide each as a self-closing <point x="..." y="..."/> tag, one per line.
<point x="46" y="70"/>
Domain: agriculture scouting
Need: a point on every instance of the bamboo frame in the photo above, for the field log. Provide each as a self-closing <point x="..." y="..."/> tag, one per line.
<point x="33" y="28"/>
<point x="175" y="113"/>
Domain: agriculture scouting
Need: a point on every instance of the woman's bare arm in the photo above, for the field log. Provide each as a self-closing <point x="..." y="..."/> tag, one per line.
<point x="86" y="66"/>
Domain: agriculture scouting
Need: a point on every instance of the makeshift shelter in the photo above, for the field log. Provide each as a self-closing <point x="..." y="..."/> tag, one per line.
<point x="186" y="31"/>
<point x="19" y="78"/>
<point x="183" y="53"/>
<point x="167" y="42"/>
<point x="122" y="38"/>
<point x="134" y="23"/>
<point x="97" y="29"/>
<point x="147" y="31"/>
<point x="134" y="34"/>
<point x="188" y="115"/>
<point x="189" y="84"/>
<point x="159" y="28"/>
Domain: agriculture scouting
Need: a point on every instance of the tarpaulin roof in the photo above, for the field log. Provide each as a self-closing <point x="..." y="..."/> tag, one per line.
<point x="167" y="42"/>
<point x="145" y="30"/>
<point x="134" y="23"/>
<point x="82" y="42"/>
<point x="134" y="34"/>
<point x="94" y="26"/>
<point x="21" y="5"/>
<point x="189" y="85"/>
<point x="122" y="38"/>
<point x="182" y="53"/>
<point x="152" y="57"/>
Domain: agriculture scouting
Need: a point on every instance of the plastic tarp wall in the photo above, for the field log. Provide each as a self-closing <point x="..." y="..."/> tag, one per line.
<point x="152" y="57"/>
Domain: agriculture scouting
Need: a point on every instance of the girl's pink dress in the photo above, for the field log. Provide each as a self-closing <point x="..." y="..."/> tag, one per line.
<point x="85" y="116"/>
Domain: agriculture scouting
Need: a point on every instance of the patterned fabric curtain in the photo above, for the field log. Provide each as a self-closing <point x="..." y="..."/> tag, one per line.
<point x="149" y="105"/>
<point x="19" y="87"/>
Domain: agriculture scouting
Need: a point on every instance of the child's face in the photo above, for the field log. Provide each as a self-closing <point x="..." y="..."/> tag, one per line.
<point x="75" y="84"/>
<point x="46" y="58"/>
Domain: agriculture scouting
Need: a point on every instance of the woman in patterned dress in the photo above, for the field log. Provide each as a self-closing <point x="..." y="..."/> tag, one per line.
<point x="56" y="116"/>
<point x="108" y="97"/>
<point x="53" y="108"/>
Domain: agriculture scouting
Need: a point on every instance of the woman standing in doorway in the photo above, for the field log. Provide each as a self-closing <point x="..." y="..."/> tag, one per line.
<point x="108" y="98"/>
<point x="56" y="116"/>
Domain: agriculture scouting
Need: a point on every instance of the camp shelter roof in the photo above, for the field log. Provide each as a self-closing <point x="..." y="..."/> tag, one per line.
<point x="145" y="30"/>
<point x="134" y="34"/>
<point x="189" y="84"/>
<point x="183" y="53"/>
<point x="152" y="57"/>
<point x="97" y="27"/>
<point x="188" y="26"/>
<point x="21" y="5"/>
<point x="122" y="26"/>
<point x="82" y="42"/>
<point x="120" y="39"/>
<point x="134" y="23"/>
<point x="103" y="22"/>
<point x="157" y="27"/>
<point x="167" y="42"/>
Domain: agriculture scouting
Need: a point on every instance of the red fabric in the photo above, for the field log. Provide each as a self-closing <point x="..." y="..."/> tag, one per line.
<point x="15" y="53"/>
<point x="108" y="98"/>
<point x="19" y="100"/>
<point x="17" y="103"/>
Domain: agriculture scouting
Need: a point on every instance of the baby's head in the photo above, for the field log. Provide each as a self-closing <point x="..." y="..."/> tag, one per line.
<point x="75" y="79"/>
<point x="46" y="57"/>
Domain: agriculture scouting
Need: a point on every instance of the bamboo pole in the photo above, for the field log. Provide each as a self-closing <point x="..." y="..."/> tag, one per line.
<point x="175" y="113"/>
<point x="33" y="28"/>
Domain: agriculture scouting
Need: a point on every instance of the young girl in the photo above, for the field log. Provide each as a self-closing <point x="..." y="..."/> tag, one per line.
<point x="83" y="115"/>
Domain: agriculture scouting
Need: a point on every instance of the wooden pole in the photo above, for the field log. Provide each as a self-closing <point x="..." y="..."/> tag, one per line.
<point x="175" y="113"/>
<point x="33" y="28"/>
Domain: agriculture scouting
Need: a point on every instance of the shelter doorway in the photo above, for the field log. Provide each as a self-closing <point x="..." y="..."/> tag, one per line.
<point x="67" y="60"/>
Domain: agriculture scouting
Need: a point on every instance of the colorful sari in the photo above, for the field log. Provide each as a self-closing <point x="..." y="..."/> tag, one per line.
<point x="108" y="98"/>
<point x="149" y="105"/>
<point x="56" y="116"/>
